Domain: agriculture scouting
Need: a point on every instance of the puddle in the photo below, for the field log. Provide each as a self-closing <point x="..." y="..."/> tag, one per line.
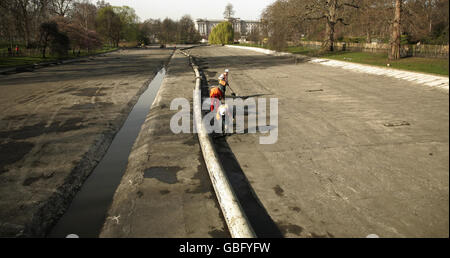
<point x="167" y="175"/>
<point x="87" y="212"/>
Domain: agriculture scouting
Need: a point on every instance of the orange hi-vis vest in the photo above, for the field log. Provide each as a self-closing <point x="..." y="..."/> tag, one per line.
<point x="215" y="93"/>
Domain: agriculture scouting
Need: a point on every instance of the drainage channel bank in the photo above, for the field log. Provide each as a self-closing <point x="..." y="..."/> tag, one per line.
<point x="86" y="213"/>
<point x="166" y="191"/>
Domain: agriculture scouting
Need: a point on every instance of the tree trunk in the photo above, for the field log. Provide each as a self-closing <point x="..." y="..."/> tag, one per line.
<point x="394" y="53"/>
<point x="328" y="44"/>
<point x="25" y="21"/>
<point x="430" y="26"/>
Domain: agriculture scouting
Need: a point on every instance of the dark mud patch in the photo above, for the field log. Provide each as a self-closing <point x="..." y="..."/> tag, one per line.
<point x="68" y="90"/>
<point x="290" y="228"/>
<point x="89" y="92"/>
<point x="328" y="235"/>
<point x="204" y="184"/>
<point x="31" y="98"/>
<point x="191" y="142"/>
<point x="32" y="179"/>
<point x="40" y="128"/>
<point x="213" y="82"/>
<point x="279" y="191"/>
<point x="211" y="73"/>
<point x="18" y="117"/>
<point x="164" y="192"/>
<point x="140" y="194"/>
<point x="70" y="124"/>
<point x="12" y="152"/>
<point x="25" y="132"/>
<point x="296" y="209"/>
<point x="27" y="99"/>
<point x="167" y="175"/>
<point x="90" y="106"/>
<point x="216" y="233"/>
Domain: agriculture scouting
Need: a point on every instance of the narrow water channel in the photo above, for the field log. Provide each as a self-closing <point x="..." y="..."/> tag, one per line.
<point x="87" y="212"/>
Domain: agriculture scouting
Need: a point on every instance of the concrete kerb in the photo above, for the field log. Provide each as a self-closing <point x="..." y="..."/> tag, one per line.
<point x="236" y="220"/>
<point x="430" y="80"/>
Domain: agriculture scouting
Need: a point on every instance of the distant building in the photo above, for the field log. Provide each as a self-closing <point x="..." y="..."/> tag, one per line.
<point x="243" y="27"/>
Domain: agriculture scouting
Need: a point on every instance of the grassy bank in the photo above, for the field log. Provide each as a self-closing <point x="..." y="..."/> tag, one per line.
<point x="15" y="61"/>
<point x="416" y="64"/>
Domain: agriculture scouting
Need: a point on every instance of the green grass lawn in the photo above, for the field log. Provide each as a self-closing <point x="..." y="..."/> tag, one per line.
<point x="6" y="62"/>
<point x="19" y="61"/>
<point x="418" y="64"/>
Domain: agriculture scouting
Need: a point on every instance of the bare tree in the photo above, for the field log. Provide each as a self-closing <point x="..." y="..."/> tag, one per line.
<point x="332" y="11"/>
<point x="168" y="31"/>
<point x="28" y="15"/>
<point x="8" y="26"/>
<point x="83" y="14"/>
<point x="102" y="3"/>
<point x="151" y="29"/>
<point x="186" y="32"/>
<point x="356" y="21"/>
<point x="254" y="35"/>
<point x="229" y="11"/>
<point x="366" y="18"/>
<point x="61" y="7"/>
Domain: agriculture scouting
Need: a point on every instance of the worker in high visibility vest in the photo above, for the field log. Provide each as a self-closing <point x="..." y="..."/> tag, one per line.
<point x="223" y="80"/>
<point x="216" y="94"/>
<point x="225" y="75"/>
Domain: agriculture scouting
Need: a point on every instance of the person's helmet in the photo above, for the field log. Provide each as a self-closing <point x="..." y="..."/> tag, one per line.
<point x="226" y="70"/>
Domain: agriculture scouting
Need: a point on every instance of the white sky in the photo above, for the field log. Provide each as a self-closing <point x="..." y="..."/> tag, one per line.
<point x="210" y="9"/>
